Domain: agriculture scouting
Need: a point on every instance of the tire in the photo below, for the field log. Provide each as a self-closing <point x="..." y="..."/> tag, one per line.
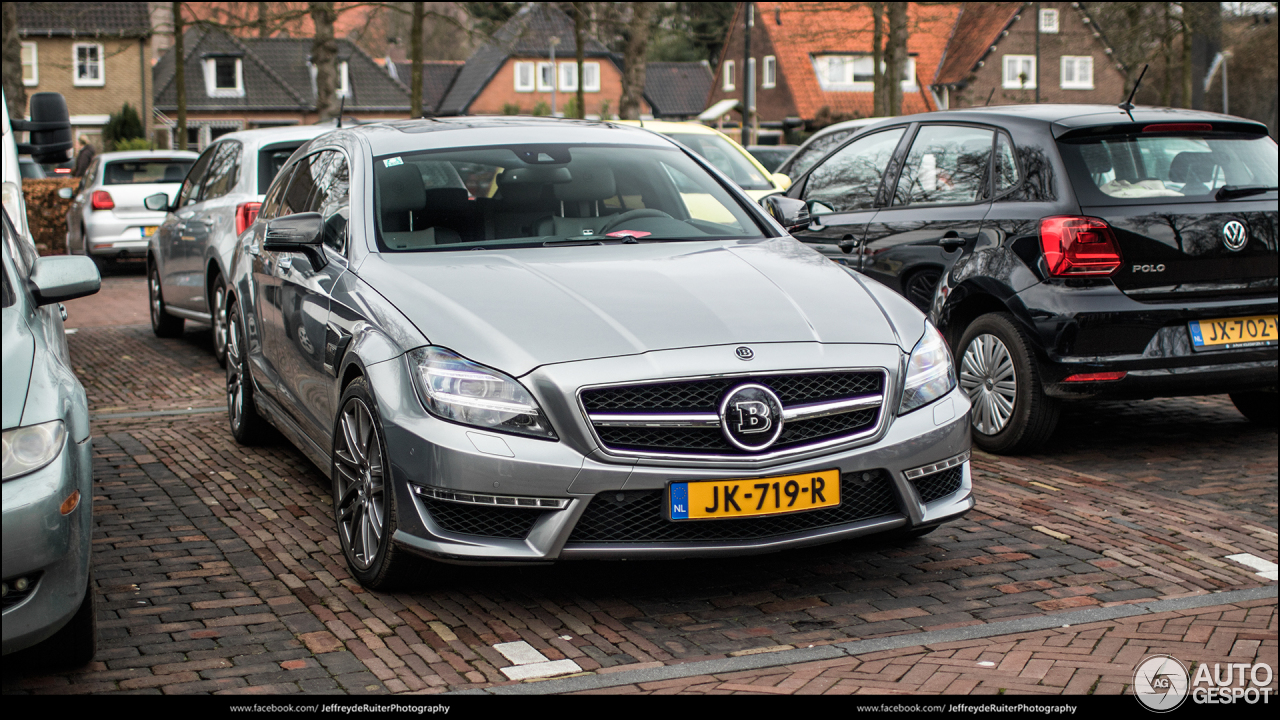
<point x="998" y="370"/>
<point x="364" y="500"/>
<point x="218" y="312"/>
<point x="162" y="323"/>
<point x="247" y="426"/>
<point x="1258" y="405"/>
<point x="77" y="642"/>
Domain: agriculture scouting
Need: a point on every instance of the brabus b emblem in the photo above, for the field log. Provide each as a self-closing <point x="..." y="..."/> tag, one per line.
<point x="1234" y="235"/>
<point x="744" y="353"/>
<point x="751" y="417"/>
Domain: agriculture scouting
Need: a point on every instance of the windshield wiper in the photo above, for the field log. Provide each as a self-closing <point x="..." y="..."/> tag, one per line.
<point x="1231" y="192"/>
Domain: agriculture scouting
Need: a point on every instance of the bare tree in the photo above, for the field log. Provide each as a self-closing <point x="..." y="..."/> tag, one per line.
<point x="263" y="20"/>
<point x="324" y="56"/>
<point x="415" y="57"/>
<point x="634" y="61"/>
<point x="15" y="93"/>
<point x="877" y="59"/>
<point x="180" y="75"/>
<point x="896" y="58"/>
<point x="579" y="25"/>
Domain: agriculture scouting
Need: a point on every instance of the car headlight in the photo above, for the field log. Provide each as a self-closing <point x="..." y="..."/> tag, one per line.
<point x="454" y="388"/>
<point x="930" y="374"/>
<point x="27" y="449"/>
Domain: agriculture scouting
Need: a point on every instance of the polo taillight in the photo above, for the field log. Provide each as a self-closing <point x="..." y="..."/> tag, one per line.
<point x="1075" y="245"/>
<point x="101" y="200"/>
<point x="246" y="213"/>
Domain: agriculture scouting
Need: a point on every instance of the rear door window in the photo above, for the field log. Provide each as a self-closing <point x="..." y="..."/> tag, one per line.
<point x="947" y="165"/>
<point x="224" y="170"/>
<point x="270" y="159"/>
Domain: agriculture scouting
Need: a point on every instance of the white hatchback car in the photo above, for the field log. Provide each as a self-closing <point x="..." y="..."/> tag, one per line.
<point x="107" y="220"/>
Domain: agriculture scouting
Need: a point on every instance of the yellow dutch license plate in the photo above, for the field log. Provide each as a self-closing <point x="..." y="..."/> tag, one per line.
<point x="753" y="497"/>
<point x="150" y="230"/>
<point x="1228" y="333"/>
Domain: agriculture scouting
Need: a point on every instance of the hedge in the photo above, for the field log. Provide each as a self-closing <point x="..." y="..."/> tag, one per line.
<point x="47" y="213"/>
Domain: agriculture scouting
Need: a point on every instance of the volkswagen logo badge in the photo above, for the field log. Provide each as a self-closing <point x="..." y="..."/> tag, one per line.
<point x="744" y="353"/>
<point x="1234" y="235"/>
<point x="751" y="417"/>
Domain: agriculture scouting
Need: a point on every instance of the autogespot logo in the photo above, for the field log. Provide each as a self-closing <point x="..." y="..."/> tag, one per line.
<point x="1160" y="683"/>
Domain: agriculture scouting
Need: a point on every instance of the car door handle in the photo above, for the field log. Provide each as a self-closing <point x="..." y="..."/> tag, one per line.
<point x="847" y="244"/>
<point x="951" y="240"/>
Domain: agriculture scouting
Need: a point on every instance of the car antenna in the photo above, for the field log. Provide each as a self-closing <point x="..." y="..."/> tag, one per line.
<point x="989" y="96"/>
<point x="342" y="104"/>
<point x="1127" y="105"/>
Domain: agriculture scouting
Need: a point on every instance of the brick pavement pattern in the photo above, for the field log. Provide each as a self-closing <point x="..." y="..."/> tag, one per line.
<point x="218" y="570"/>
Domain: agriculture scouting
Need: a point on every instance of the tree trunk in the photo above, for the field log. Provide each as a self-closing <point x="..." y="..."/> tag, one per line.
<point x="1166" y="51"/>
<point x="324" y="56"/>
<point x="415" y="58"/>
<point x="896" y="58"/>
<point x="264" y="20"/>
<point x="15" y="93"/>
<point x="180" y="74"/>
<point x="633" y="61"/>
<point x="877" y="59"/>
<point x="579" y="26"/>
<point x="1186" y="59"/>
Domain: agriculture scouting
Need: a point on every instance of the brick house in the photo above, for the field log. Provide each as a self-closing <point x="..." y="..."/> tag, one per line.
<point x="514" y="70"/>
<point x="95" y="54"/>
<point x="992" y="54"/>
<point x="243" y="83"/>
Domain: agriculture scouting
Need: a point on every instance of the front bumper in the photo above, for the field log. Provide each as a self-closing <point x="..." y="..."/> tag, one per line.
<point x="40" y="542"/>
<point x="431" y="459"/>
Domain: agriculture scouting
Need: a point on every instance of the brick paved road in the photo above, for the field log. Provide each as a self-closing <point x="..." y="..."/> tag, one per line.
<point x="217" y="568"/>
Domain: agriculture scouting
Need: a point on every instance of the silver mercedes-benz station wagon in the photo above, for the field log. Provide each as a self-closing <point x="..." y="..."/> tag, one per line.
<point x="527" y="339"/>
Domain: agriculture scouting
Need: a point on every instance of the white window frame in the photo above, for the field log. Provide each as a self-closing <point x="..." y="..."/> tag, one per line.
<point x="1011" y="82"/>
<point x="1075" y="62"/>
<point x="1049" y="21"/>
<point x="34" y="65"/>
<point x="211" y="78"/>
<point x="344" y="80"/>
<point x="568" y="76"/>
<point x="770" y="77"/>
<point x="730" y="83"/>
<point x="101" y="63"/>
<point x="591" y="77"/>
<point x="544" y="86"/>
<point x="847" y="64"/>
<point x="533" y="75"/>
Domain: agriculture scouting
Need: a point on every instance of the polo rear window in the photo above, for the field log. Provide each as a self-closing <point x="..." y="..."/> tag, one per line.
<point x="138" y="172"/>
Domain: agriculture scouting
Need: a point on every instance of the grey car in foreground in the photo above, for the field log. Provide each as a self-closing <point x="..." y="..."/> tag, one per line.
<point x="189" y="256"/>
<point x="566" y="358"/>
<point x="47" y="592"/>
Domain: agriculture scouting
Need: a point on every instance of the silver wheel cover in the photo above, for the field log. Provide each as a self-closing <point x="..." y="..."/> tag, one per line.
<point x="219" y="320"/>
<point x="235" y="381"/>
<point x="987" y="375"/>
<point x="361" y="487"/>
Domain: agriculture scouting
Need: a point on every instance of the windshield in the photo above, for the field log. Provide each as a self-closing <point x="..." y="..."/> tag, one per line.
<point x="549" y="194"/>
<point x="1118" y="169"/>
<point x="136" y="172"/>
<point x="726" y="158"/>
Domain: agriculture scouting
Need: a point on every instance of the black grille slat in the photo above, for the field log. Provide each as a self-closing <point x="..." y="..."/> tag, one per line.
<point x="941" y="484"/>
<point x="711" y="440"/>
<point x="639" y="517"/>
<point x="493" y="522"/>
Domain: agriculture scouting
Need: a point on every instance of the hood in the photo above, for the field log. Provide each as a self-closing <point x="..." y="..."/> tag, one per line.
<point x="515" y="310"/>
<point x="19" y="350"/>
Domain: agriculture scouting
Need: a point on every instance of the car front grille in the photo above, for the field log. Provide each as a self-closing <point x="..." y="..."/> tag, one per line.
<point x="491" y="522"/>
<point x="940" y="484"/>
<point x="637" y="516"/>
<point x="703" y="397"/>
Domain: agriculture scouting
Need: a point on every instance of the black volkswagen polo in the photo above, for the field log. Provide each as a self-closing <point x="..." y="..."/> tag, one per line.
<point x="1068" y="252"/>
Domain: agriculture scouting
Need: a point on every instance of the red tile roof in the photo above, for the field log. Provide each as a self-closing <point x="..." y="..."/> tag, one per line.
<point x="811" y="28"/>
<point x="976" y="30"/>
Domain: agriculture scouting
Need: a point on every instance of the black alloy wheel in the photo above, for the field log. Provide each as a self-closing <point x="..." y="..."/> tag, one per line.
<point x="919" y="288"/>
<point x="364" y="501"/>
<point x="247" y="426"/>
<point x="162" y="323"/>
<point x="218" y="311"/>
<point x="1010" y="413"/>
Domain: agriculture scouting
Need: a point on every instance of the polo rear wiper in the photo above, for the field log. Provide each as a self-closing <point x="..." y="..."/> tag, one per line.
<point x="1231" y="192"/>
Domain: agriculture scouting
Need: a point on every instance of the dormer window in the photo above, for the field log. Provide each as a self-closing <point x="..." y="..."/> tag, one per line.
<point x="344" y="80"/>
<point x="1049" y="21"/>
<point x="224" y="76"/>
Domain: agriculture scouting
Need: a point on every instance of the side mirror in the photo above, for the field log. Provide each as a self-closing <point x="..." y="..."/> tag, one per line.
<point x="782" y="181"/>
<point x="50" y="129"/>
<point x="66" y="193"/>
<point x="66" y="277"/>
<point x="303" y="232"/>
<point x="791" y="213"/>
<point x="158" y="202"/>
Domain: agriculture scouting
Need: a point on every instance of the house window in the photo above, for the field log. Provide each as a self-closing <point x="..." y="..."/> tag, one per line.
<point x="344" y="82"/>
<point x="524" y="77"/>
<point x="224" y="77"/>
<point x="1077" y="72"/>
<point x="546" y="76"/>
<point x="770" y="78"/>
<point x="856" y="73"/>
<point x="87" y="64"/>
<point x="591" y="77"/>
<point x="569" y="76"/>
<point x="1019" y="71"/>
<point x="30" y="65"/>
<point x="1049" y="21"/>
<point x="728" y="76"/>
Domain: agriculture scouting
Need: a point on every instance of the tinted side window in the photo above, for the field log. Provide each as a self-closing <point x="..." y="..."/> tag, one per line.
<point x="301" y="187"/>
<point x="224" y="170"/>
<point x="849" y="179"/>
<point x="947" y="164"/>
<point x="333" y="203"/>
<point x="812" y="154"/>
<point x="272" y="202"/>
<point x="191" y="186"/>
